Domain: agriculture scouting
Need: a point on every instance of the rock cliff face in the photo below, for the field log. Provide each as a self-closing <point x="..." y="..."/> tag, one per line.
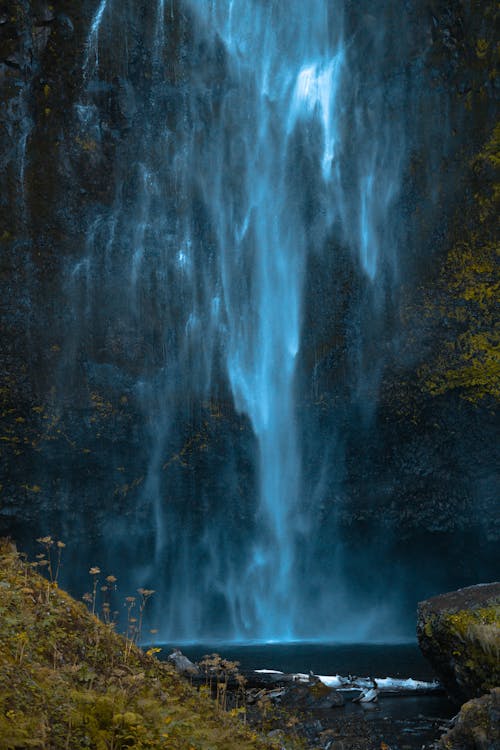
<point x="405" y="467"/>
<point x="459" y="633"/>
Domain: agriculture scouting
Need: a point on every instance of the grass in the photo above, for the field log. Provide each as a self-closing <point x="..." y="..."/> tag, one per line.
<point x="68" y="681"/>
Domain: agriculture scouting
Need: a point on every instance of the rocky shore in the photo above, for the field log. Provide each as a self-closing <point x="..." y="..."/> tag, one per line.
<point x="324" y="712"/>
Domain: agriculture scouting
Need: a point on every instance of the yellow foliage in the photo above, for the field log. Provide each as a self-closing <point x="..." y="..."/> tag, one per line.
<point x="68" y="667"/>
<point x="467" y="294"/>
<point x="87" y="144"/>
<point x="481" y="48"/>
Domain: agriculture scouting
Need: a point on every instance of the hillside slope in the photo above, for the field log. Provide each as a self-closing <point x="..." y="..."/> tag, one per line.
<point x="68" y="681"/>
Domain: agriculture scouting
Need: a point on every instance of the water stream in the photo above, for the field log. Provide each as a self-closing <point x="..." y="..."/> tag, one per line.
<point x="267" y="136"/>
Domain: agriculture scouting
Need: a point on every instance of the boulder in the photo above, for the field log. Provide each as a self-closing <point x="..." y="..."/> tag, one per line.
<point x="311" y="697"/>
<point x="477" y="726"/>
<point x="459" y="633"/>
<point x="182" y="664"/>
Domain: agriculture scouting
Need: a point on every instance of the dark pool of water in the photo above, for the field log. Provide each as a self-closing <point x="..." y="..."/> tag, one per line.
<point x="376" y="660"/>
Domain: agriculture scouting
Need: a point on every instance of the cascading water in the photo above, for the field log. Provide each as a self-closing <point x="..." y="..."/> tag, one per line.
<point x="262" y="240"/>
<point x="260" y="143"/>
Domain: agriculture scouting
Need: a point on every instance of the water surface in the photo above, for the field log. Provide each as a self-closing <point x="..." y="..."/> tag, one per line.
<point x="376" y="659"/>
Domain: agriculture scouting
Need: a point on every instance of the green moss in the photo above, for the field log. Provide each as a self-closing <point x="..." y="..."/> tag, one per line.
<point x="462" y="621"/>
<point x="474" y="637"/>
<point x="477" y="724"/>
<point x="319" y="690"/>
<point x="465" y="295"/>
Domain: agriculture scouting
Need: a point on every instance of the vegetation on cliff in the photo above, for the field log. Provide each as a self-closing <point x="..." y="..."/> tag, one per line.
<point x="463" y="301"/>
<point x="68" y="681"/>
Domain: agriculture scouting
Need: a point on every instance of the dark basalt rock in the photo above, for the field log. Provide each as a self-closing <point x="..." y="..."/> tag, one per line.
<point x="267" y="680"/>
<point x="311" y="697"/>
<point x="459" y="633"/>
<point x="294" y="696"/>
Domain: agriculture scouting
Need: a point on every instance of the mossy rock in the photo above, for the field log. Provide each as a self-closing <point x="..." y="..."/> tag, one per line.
<point x="459" y="633"/>
<point x="477" y="726"/>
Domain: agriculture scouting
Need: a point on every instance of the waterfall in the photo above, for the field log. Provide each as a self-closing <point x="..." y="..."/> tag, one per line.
<point x="91" y="61"/>
<point x="260" y="142"/>
<point x="262" y="242"/>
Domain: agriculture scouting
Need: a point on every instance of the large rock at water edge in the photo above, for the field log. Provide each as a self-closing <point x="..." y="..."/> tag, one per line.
<point x="459" y="633"/>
